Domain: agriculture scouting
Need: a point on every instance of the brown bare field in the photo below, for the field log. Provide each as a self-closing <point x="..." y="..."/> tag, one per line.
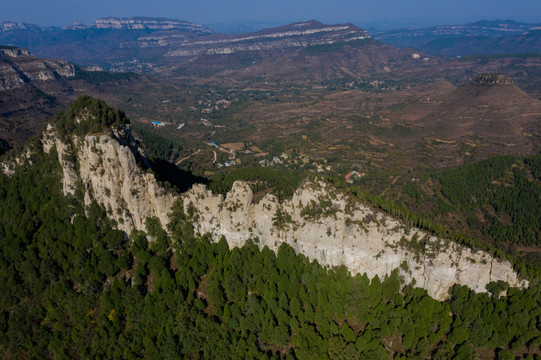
<point x="234" y="146"/>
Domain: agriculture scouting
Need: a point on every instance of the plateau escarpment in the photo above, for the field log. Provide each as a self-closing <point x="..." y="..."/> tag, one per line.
<point x="18" y="67"/>
<point x="146" y="23"/>
<point x="318" y="221"/>
<point x="172" y="48"/>
<point x="311" y="33"/>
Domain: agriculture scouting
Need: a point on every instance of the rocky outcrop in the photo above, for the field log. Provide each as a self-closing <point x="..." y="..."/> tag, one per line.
<point x="9" y="165"/>
<point x="317" y="221"/>
<point x="106" y="168"/>
<point x="6" y="26"/>
<point x="19" y="67"/>
<point x="13" y="51"/>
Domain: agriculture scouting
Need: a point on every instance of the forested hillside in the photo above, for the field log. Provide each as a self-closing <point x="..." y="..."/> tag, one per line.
<point x="73" y="287"/>
<point x="497" y="200"/>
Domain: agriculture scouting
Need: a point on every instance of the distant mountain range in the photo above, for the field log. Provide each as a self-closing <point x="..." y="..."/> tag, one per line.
<point x="110" y="23"/>
<point x="307" y="56"/>
<point x="114" y="43"/>
<point x="481" y="37"/>
<point x="144" y="44"/>
<point x="302" y="53"/>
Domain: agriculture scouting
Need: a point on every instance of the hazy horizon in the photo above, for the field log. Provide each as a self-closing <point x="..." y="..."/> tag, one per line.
<point x="385" y="14"/>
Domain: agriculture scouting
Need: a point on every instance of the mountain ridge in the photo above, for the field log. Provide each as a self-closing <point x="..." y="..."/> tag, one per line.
<point x="159" y="41"/>
<point x="103" y="165"/>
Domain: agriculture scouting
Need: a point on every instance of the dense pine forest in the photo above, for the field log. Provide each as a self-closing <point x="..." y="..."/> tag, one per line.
<point x="494" y="203"/>
<point x="74" y="287"/>
<point x="509" y="185"/>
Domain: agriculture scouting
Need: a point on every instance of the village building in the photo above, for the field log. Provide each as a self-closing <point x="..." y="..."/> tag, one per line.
<point x="353" y="175"/>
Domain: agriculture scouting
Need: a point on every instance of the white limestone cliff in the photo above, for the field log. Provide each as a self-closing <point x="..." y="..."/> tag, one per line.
<point x="317" y="221"/>
<point x="341" y="232"/>
<point x="106" y="168"/>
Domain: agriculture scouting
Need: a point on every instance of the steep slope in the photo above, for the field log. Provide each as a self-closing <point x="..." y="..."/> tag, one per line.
<point x="104" y="165"/>
<point x="310" y="33"/>
<point x="32" y="89"/>
<point x="73" y="287"/>
<point x="299" y="53"/>
<point x="328" y="227"/>
<point x="28" y="90"/>
<point x="340" y="62"/>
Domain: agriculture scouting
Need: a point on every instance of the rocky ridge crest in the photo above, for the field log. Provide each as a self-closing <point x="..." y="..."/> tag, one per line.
<point x="318" y="221"/>
<point x="107" y="167"/>
<point x="148" y="23"/>
<point x="102" y="162"/>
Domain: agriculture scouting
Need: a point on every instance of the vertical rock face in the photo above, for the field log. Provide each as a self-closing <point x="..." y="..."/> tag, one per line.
<point x="107" y="170"/>
<point x="317" y="221"/>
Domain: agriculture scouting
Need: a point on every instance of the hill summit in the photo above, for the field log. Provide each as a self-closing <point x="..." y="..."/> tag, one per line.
<point x="490" y="79"/>
<point x="88" y="115"/>
<point x="492" y="110"/>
